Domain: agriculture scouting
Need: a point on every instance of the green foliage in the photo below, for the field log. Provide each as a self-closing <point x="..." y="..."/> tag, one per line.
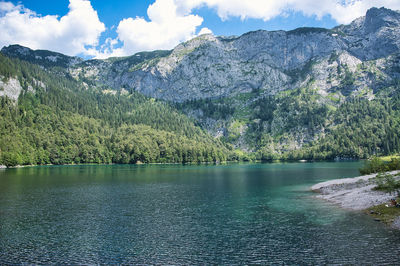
<point x="347" y="79"/>
<point x="290" y="125"/>
<point x="334" y="56"/>
<point x="239" y="155"/>
<point x="356" y="128"/>
<point x="301" y="72"/>
<point x="264" y="108"/>
<point x="373" y="165"/>
<point x="308" y="30"/>
<point x="275" y="118"/>
<point x="376" y="165"/>
<point x="64" y="123"/>
<point x="44" y="58"/>
<point x="387" y="182"/>
<point x="215" y="109"/>
<point x="360" y="129"/>
<point x="139" y="57"/>
<point x="365" y="128"/>
<point x="383" y="213"/>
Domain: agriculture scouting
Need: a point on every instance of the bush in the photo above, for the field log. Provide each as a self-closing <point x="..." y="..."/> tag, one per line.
<point x="11" y="159"/>
<point x="374" y="165"/>
<point x="387" y="182"/>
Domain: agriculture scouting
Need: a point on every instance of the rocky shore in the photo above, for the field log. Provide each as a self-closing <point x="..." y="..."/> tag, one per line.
<point x="354" y="193"/>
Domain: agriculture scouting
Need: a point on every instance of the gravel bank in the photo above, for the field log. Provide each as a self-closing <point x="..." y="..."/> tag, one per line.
<point x="352" y="193"/>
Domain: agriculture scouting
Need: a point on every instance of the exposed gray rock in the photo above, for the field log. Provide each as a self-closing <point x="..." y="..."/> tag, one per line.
<point x="10" y="88"/>
<point x="209" y="66"/>
<point x="41" y="57"/>
<point x="375" y="35"/>
<point x="359" y="59"/>
<point x="268" y="61"/>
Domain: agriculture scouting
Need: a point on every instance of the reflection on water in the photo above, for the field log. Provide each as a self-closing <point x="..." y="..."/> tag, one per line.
<point x="171" y="214"/>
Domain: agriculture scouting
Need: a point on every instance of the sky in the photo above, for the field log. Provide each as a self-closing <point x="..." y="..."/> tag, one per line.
<point x="101" y="29"/>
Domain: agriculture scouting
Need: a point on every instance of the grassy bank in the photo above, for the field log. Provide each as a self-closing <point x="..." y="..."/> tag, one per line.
<point x="384" y="214"/>
<point x="389" y="157"/>
<point x="379" y="165"/>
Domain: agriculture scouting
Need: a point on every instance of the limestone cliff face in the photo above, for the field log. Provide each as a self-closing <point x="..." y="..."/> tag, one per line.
<point x="374" y="36"/>
<point x="331" y="65"/>
<point x="211" y="67"/>
<point x="10" y="88"/>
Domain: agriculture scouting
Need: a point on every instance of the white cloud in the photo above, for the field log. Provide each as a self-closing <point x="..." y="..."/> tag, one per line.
<point x="75" y="33"/>
<point x="173" y="21"/>
<point x="6" y="6"/>
<point x="260" y="9"/>
<point x="343" y="11"/>
<point x="170" y="22"/>
<point x="165" y="29"/>
<point x="204" y="31"/>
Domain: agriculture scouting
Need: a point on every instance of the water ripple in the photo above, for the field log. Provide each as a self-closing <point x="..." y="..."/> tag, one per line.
<point x="178" y="215"/>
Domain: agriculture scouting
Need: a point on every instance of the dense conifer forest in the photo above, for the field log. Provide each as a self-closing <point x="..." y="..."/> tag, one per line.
<point x="61" y="119"/>
<point x="63" y="122"/>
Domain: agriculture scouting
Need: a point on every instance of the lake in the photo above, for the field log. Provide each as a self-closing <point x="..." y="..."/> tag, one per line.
<point x="195" y="214"/>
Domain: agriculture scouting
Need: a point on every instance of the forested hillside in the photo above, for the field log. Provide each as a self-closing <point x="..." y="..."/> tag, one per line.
<point x="57" y="120"/>
<point x="300" y="124"/>
<point x="310" y="93"/>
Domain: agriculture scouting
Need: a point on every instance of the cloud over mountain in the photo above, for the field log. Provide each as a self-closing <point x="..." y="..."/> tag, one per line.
<point x="72" y="34"/>
<point x="343" y="11"/>
<point x="165" y="29"/>
<point x="168" y="23"/>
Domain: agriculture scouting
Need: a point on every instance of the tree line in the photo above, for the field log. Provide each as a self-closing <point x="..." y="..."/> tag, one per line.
<point x="63" y="122"/>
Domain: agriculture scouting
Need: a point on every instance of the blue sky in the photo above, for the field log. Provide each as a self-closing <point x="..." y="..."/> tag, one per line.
<point x="99" y="28"/>
<point x="112" y="12"/>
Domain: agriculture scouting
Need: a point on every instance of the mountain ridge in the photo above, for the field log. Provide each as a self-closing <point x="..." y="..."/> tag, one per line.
<point x="276" y="94"/>
<point x="255" y="60"/>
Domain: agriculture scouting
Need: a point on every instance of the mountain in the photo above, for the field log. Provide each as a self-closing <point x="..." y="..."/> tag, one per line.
<point x="209" y="67"/>
<point x="41" y="57"/>
<point x="309" y="93"/>
<point x="47" y="117"/>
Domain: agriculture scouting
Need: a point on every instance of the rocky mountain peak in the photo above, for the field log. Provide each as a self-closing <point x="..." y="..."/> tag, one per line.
<point x="373" y="36"/>
<point x="41" y="57"/>
<point x="211" y="67"/>
<point x="195" y="42"/>
<point x="16" y="49"/>
<point x="377" y="18"/>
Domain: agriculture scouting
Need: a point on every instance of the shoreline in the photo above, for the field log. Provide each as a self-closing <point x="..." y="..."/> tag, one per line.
<point x="170" y="163"/>
<point x="356" y="194"/>
<point x="103" y="164"/>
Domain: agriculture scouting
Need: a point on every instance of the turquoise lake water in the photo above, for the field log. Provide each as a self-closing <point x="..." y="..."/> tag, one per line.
<point x="196" y="214"/>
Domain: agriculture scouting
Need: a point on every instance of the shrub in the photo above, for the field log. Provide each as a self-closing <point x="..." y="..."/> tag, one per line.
<point x="387" y="182"/>
<point x="374" y="165"/>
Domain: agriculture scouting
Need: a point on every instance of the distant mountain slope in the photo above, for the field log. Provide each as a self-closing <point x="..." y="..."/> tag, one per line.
<point x="40" y="57"/>
<point x="47" y="118"/>
<point x="307" y="93"/>
<point x="209" y="67"/>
